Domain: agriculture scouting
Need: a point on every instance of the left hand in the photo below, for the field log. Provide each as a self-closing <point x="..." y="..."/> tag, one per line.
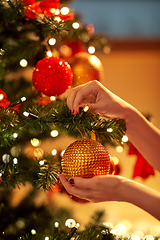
<point x="96" y="189"/>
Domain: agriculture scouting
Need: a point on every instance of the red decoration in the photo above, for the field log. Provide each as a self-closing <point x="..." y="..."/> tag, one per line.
<point x="3" y="99"/>
<point x="5" y="103"/>
<point x="70" y="48"/>
<point x="52" y="76"/>
<point x="46" y="7"/>
<point x="40" y="7"/>
<point x="53" y="189"/>
<point x="44" y="100"/>
<point x="142" y="168"/>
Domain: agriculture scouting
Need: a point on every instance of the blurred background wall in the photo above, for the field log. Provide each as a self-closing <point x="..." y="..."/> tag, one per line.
<point x="121" y="18"/>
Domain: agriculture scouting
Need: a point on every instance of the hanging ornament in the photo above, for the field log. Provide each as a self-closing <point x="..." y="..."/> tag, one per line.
<point x="86" y="67"/>
<point x="85" y="158"/>
<point x="70" y="48"/>
<point x="52" y="76"/>
<point x="142" y="168"/>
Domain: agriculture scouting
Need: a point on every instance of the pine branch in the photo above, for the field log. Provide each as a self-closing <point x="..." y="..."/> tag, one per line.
<point x="59" y="115"/>
<point x="8" y="125"/>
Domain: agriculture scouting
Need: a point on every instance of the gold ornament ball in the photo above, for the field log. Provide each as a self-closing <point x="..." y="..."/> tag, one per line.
<point x="85" y="68"/>
<point x="85" y="158"/>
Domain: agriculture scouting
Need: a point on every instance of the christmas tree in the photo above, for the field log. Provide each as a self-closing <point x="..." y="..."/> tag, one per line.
<point x="44" y="50"/>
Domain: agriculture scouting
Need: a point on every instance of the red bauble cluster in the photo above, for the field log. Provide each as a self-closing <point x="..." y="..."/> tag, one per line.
<point x="52" y="76"/>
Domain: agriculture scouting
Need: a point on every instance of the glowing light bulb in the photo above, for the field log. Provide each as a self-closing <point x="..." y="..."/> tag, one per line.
<point x="58" y="19"/>
<point x="54" y="133"/>
<point x="33" y="231"/>
<point x="56" y="224"/>
<point x="70" y="223"/>
<point x="23" y="99"/>
<point x="35" y="142"/>
<point x="85" y="108"/>
<point x="6" y="158"/>
<point x="119" y="229"/>
<point x="77" y="225"/>
<point x="135" y="237"/>
<point x="52" y="41"/>
<point x="119" y="149"/>
<point x="15" y="160"/>
<point x="38" y="152"/>
<point x="1" y="96"/>
<point x="52" y="98"/>
<point x="148" y="237"/>
<point x="109" y="130"/>
<point x="23" y="63"/>
<point x="57" y="12"/>
<point x="49" y="53"/>
<point x="52" y="10"/>
<point x="91" y="49"/>
<point x="15" y="135"/>
<point x="125" y="138"/>
<point x="115" y="160"/>
<point x="26" y="114"/>
<point x="64" y="10"/>
<point x="54" y="152"/>
<point x="41" y="162"/>
<point x="75" y="25"/>
<point x="66" y="51"/>
<point x="137" y="234"/>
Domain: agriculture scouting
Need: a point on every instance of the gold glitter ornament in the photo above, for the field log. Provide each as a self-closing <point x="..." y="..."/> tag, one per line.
<point x="85" y="68"/>
<point x="85" y="158"/>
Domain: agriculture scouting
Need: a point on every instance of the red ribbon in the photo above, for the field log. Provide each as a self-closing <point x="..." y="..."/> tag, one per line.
<point x="142" y="168"/>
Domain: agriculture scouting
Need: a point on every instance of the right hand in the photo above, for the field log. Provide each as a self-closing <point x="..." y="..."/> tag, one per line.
<point x="97" y="97"/>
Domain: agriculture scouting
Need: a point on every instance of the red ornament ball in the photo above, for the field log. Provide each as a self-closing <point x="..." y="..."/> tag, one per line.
<point x="52" y="76"/>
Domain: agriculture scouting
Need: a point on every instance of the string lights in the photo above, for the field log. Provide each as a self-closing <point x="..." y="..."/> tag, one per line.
<point x="15" y="103"/>
<point x="27" y="114"/>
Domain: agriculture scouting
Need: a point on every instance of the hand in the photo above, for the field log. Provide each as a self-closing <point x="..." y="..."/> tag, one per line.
<point x="114" y="188"/>
<point x="96" y="189"/>
<point x="97" y="97"/>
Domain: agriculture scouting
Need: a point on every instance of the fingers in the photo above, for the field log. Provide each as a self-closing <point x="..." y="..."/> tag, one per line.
<point x="81" y="94"/>
<point x="80" y="189"/>
<point x="72" y="96"/>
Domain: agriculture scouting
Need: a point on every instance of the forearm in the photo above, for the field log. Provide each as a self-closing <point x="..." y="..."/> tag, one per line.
<point x="141" y="196"/>
<point x="143" y="135"/>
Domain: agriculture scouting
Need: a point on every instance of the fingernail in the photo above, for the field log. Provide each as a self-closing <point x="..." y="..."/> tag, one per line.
<point x="80" y="109"/>
<point x="71" y="181"/>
